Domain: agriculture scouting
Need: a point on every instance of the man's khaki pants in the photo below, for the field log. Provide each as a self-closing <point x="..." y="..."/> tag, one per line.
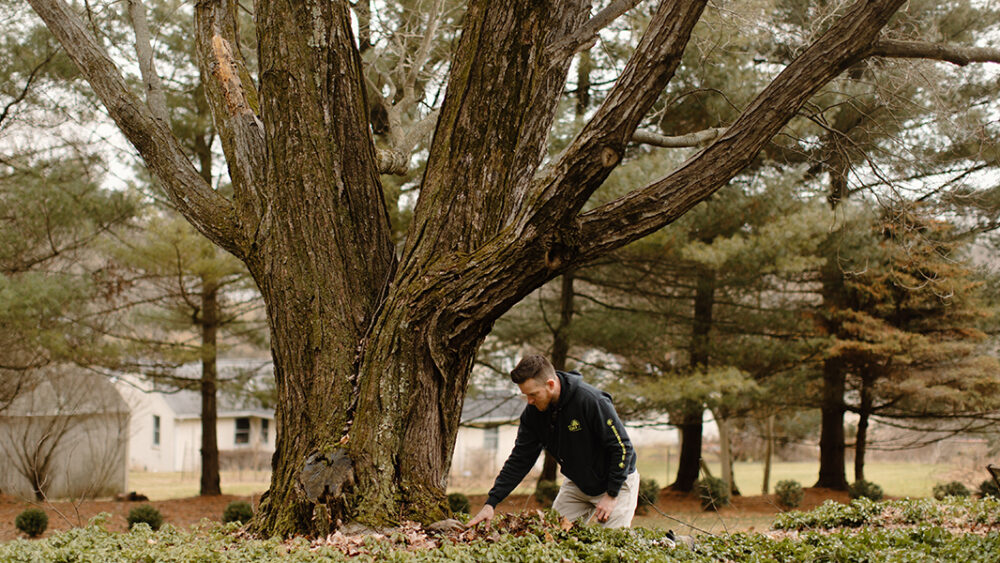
<point x="572" y="503"/>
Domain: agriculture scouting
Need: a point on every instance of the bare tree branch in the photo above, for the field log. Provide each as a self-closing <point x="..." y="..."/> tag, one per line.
<point x="585" y="35"/>
<point x="597" y="150"/>
<point x="27" y="86"/>
<point x="155" y="98"/>
<point x="680" y="141"/>
<point x="648" y="209"/>
<point x="207" y="210"/>
<point x="954" y="54"/>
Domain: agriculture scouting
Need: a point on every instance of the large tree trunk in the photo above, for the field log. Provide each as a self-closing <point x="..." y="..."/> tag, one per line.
<point x="372" y="352"/>
<point x="209" y="377"/>
<point x="831" y="440"/>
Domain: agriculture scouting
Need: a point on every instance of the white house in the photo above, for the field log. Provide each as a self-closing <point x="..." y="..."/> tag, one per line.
<point x="486" y="435"/>
<point x="166" y="427"/>
<point x="64" y="435"/>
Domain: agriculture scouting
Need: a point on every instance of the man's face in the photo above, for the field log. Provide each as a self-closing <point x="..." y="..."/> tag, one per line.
<point x="538" y="393"/>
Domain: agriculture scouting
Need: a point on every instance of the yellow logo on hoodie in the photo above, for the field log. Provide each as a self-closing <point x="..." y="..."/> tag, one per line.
<point x="574" y="425"/>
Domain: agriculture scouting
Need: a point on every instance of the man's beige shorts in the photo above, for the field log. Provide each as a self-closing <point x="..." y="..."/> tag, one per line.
<point x="572" y="503"/>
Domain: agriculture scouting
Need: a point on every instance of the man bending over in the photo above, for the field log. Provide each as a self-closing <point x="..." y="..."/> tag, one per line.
<point x="578" y="425"/>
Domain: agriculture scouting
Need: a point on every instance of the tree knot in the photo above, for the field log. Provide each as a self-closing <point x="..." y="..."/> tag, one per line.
<point x="326" y="476"/>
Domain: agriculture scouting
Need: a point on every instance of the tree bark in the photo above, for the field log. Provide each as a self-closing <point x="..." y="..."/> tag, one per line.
<point x="831" y="440"/>
<point x="689" y="461"/>
<point x="725" y="455"/>
<point x="765" y="486"/>
<point x="210" y="485"/>
<point x="692" y="428"/>
<point x="861" y="439"/>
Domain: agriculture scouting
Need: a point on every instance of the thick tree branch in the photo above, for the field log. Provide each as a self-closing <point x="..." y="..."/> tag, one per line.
<point x="680" y="141"/>
<point x="954" y="54"/>
<point x="586" y="34"/>
<point x="155" y="98"/>
<point x="208" y="211"/>
<point x="232" y="98"/>
<point x="564" y="188"/>
<point x="648" y="209"/>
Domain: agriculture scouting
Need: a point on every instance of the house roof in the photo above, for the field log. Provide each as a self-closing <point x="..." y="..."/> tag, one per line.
<point x="186" y="404"/>
<point x="491" y="410"/>
<point x="63" y="389"/>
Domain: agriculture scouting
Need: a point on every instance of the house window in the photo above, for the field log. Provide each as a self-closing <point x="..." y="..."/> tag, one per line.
<point x="156" y="430"/>
<point x="491" y="438"/>
<point x="264" y="424"/>
<point x="242" y="431"/>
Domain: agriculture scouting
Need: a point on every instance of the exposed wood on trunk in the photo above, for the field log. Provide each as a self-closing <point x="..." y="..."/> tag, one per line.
<point x="234" y="103"/>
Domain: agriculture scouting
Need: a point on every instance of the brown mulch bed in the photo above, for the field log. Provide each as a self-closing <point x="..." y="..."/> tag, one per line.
<point x="188" y="511"/>
<point x="66" y="515"/>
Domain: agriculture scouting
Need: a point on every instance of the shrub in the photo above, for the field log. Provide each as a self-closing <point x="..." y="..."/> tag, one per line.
<point x="145" y="513"/>
<point x="458" y="502"/>
<point x="989" y="488"/>
<point x="713" y="492"/>
<point x="33" y="521"/>
<point x="649" y="492"/>
<point x="546" y="492"/>
<point x="789" y="493"/>
<point x="952" y="489"/>
<point x="865" y="489"/>
<point x="237" y="511"/>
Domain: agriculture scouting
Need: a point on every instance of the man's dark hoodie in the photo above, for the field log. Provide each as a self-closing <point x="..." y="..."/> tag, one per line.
<point x="582" y="431"/>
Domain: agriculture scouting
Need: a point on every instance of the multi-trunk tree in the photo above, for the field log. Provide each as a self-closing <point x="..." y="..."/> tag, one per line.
<point x="373" y="344"/>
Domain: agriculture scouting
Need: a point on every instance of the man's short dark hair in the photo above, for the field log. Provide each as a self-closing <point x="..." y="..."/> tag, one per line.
<point x="534" y="366"/>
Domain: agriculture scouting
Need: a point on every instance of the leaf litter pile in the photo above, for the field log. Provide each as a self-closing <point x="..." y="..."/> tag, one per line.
<point x="412" y="536"/>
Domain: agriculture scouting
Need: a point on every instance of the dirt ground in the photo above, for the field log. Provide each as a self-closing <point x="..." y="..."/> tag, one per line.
<point x="188" y="511"/>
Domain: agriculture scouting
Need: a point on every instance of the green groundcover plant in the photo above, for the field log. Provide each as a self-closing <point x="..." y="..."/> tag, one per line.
<point x="957" y="529"/>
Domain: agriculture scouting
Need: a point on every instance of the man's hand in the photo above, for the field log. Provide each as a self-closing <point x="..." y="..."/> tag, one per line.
<point x="486" y="514"/>
<point x="605" y="507"/>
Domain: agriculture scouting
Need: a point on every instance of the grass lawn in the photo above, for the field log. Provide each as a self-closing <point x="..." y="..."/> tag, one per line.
<point x="897" y="479"/>
<point x="171" y="485"/>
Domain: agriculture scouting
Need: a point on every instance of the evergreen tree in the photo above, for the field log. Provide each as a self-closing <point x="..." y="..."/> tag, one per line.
<point x="907" y="325"/>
